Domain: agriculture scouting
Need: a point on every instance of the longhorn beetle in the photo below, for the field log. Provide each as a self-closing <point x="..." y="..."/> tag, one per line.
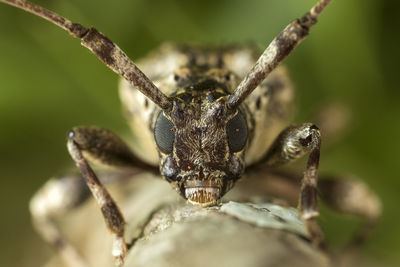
<point x="205" y="115"/>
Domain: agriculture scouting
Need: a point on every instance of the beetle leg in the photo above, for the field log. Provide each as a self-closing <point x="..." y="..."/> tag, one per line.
<point x="347" y="195"/>
<point x="55" y="199"/>
<point x="292" y="143"/>
<point x="104" y="147"/>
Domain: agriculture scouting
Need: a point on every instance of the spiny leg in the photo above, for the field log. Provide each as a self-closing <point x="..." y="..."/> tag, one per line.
<point x="292" y="143"/>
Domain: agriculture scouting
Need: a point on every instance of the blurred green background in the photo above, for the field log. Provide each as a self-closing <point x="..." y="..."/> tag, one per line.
<point x="49" y="83"/>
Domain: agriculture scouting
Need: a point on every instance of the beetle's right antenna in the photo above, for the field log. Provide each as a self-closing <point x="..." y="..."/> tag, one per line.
<point x="104" y="49"/>
<point x="276" y="52"/>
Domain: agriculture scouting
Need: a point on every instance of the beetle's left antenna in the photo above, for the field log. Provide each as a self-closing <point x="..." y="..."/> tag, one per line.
<point x="104" y="49"/>
<point x="276" y="52"/>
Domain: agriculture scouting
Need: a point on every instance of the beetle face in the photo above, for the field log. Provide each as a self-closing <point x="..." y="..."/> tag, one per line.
<point x="201" y="143"/>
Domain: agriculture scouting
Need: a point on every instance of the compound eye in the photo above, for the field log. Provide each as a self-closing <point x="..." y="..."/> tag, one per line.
<point x="236" y="131"/>
<point x="164" y="133"/>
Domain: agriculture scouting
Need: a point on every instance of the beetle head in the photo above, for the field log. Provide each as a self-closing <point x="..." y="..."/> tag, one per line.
<point x="201" y="142"/>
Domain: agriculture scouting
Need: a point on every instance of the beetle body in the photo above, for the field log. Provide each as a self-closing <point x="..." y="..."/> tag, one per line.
<point x="202" y="115"/>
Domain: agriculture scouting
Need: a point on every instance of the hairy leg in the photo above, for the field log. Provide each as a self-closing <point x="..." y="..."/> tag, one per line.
<point x="346" y="195"/>
<point x="58" y="196"/>
<point x="292" y="143"/>
<point x="104" y="147"/>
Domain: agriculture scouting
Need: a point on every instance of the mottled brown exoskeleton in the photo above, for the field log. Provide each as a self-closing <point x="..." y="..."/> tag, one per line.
<point x="202" y="115"/>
